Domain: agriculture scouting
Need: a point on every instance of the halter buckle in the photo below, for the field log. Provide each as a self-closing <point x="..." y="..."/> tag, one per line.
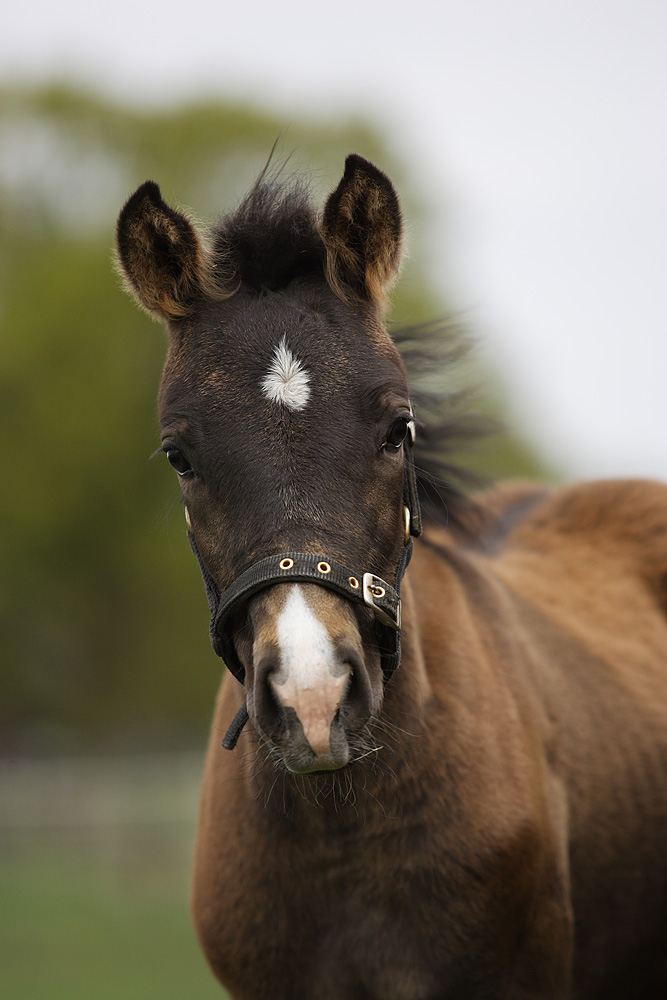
<point x="374" y="588"/>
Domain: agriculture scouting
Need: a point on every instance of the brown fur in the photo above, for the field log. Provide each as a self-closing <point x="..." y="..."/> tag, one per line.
<point x="513" y="823"/>
<point x="361" y="229"/>
<point x="166" y="265"/>
<point x="500" y="833"/>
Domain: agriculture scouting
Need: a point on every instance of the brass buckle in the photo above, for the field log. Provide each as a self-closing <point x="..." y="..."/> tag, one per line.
<point x="407" y="524"/>
<point x="374" y="588"/>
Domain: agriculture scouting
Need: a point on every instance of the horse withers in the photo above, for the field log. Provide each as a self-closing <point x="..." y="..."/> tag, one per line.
<point x="449" y="782"/>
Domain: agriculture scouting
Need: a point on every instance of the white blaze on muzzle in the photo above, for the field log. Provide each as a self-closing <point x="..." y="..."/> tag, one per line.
<point x="312" y="677"/>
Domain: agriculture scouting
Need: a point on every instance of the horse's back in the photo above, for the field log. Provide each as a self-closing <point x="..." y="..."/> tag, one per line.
<point x="621" y="517"/>
<point x="593" y="559"/>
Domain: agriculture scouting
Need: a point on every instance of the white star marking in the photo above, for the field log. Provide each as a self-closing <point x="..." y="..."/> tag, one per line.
<point x="287" y="380"/>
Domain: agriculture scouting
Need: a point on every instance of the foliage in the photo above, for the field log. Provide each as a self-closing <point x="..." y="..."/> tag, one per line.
<point x="102" y="612"/>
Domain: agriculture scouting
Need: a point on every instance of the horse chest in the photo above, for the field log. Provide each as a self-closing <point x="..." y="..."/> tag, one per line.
<point x="336" y="926"/>
<point x="342" y="947"/>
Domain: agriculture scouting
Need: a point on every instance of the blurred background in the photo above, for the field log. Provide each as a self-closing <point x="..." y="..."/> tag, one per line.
<point x="529" y="144"/>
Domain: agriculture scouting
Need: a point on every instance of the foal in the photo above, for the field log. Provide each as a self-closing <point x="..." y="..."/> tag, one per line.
<point x="488" y="820"/>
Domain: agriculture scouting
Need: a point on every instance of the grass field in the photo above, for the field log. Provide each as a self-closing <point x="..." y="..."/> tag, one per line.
<point x="94" y="871"/>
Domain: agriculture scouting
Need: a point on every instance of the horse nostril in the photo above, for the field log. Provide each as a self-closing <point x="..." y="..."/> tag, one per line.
<point x="266" y="667"/>
<point x="356" y="702"/>
<point x="269" y="710"/>
<point x="344" y="708"/>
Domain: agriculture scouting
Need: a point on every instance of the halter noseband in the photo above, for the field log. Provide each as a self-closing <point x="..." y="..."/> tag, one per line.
<point x="304" y="567"/>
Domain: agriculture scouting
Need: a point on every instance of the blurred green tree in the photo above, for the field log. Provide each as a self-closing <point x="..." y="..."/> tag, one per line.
<point x="99" y="645"/>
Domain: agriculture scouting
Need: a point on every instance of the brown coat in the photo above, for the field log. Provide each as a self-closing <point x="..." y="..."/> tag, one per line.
<point x="519" y="803"/>
<point x="490" y="824"/>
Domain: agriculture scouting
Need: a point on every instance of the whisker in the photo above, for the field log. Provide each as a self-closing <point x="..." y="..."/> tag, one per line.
<point x="367" y="754"/>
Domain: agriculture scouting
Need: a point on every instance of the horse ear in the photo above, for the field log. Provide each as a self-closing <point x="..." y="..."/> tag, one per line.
<point x="160" y="255"/>
<point x="362" y="231"/>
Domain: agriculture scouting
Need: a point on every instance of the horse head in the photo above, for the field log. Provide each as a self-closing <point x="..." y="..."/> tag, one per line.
<point x="284" y="411"/>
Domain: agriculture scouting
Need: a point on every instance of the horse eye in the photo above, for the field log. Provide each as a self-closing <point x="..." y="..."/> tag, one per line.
<point x="178" y="461"/>
<point x="397" y="433"/>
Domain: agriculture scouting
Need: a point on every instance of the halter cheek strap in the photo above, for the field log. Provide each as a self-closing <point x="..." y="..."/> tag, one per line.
<point x="304" y="567"/>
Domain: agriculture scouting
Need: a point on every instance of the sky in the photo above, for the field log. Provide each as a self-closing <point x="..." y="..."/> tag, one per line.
<point x="535" y="132"/>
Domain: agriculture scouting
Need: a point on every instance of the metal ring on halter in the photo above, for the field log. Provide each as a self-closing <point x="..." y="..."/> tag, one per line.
<point x="374" y="589"/>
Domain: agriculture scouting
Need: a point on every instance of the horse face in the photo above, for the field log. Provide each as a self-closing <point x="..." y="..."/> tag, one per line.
<point x="283" y="409"/>
<point x="286" y="424"/>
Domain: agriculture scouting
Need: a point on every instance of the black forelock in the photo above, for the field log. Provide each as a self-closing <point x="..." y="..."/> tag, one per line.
<point x="272" y="238"/>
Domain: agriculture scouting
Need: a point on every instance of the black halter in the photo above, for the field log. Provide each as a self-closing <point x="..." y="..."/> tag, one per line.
<point x="304" y="567"/>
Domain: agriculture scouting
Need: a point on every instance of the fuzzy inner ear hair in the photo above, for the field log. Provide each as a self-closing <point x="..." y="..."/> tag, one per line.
<point x="362" y="231"/>
<point x="164" y="262"/>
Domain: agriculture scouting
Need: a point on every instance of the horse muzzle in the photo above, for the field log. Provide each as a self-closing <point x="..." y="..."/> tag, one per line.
<point x="311" y="686"/>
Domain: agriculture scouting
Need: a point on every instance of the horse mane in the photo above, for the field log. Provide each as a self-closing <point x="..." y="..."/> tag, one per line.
<point x="447" y="425"/>
<point x="271" y="239"/>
